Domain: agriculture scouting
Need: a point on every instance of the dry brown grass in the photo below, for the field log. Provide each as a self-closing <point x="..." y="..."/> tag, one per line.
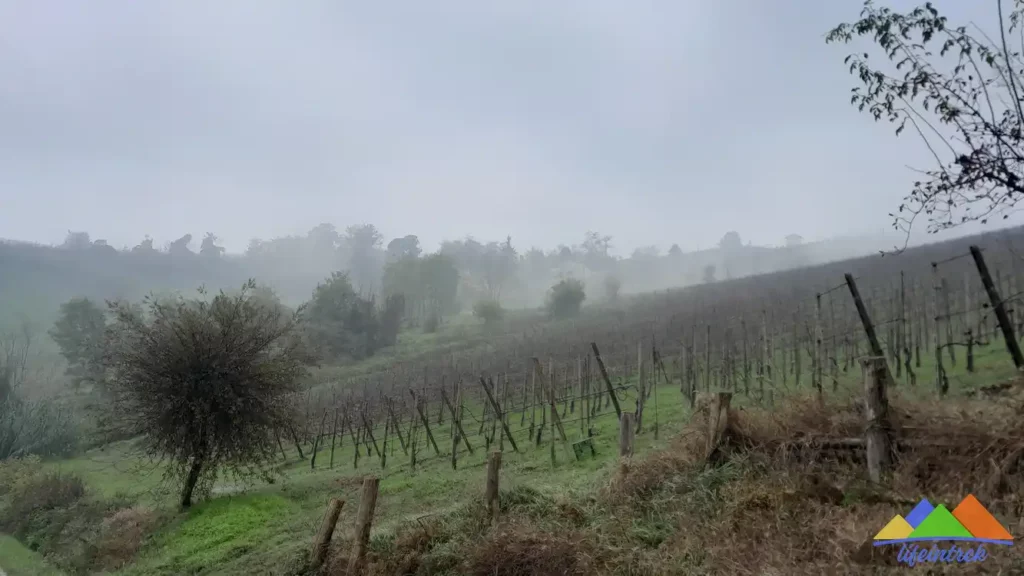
<point x="521" y="549"/>
<point x="778" y="505"/>
<point x="121" y="535"/>
<point x="805" y="510"/>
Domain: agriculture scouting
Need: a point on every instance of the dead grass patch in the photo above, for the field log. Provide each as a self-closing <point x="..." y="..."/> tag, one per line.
<point x="783" y="501"/>
<point x="520" y="549"/>
<point x="121" y="535"/>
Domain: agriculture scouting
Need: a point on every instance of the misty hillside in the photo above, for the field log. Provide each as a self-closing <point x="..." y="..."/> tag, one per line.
<point x="36" y="279"/>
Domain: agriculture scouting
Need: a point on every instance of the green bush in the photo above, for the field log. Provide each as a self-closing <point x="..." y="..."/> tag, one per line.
<point x="16" y="471"/>
<point x="51" y="514"/>
<point x="490" y="311"/>
<point x="565" y="299"/>
<point x="38" y="493"/>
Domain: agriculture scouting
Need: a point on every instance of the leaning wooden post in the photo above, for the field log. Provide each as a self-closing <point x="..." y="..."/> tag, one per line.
<point x="418" y="405"/>
<point x="396" y="425"/>
<point x="865" y="320"/>
<point x="497" y="410"/>
<point x="491" y="492"/>
<point x="364" y="520"/>
<point x="322" y="541"/>
<point x="607" y="380"/>
<point x="457" y="424"/>
<point x="877" y="432"/>
<point x="997" y="303"/>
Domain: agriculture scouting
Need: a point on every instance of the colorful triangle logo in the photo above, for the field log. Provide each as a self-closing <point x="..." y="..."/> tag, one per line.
<point x="975" y="518"/>
<point x="969" y="521"/>
<point x="896" y="529"/>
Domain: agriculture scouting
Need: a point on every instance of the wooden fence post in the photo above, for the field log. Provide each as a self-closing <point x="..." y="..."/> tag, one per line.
<point x="718" y="425"/>
<point x="877" y="439"/>
<point x="865" y="319"/>
<point x="322" y="541"/>
<point x="997" y="303"/>
<point x="607" y="380"/>
<point x="491" y="493"/>
<point x="626" y="435"/>
<point x="364" y="520"/>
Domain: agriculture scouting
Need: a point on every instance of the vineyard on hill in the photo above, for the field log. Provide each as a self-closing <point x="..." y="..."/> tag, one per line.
<point x="425" y="421"/>
<point x="763" y="337"/>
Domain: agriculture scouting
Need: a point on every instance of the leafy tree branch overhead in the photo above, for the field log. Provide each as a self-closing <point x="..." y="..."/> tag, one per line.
<point x="959" y="89"/>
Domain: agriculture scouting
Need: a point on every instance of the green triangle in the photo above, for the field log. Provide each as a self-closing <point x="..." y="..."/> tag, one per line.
<point x="940" y="524"/>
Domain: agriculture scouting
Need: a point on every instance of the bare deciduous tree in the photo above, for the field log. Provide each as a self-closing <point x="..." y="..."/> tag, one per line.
<point x="27" y="427"/>
<point x="960" y="90"/>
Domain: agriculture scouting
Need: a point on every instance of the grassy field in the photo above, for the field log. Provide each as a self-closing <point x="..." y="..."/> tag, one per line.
<point x="17" y="560"/>
<point x="270" y="526"/>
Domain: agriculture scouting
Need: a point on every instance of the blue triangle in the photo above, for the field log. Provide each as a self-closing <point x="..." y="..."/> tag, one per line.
<point x="919" y="513"/>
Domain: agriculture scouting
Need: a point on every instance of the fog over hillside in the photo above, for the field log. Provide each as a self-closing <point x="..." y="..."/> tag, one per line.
<point x="38" y="278"/>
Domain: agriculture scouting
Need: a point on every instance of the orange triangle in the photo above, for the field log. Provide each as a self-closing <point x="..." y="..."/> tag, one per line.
<point x="978" y="521"/>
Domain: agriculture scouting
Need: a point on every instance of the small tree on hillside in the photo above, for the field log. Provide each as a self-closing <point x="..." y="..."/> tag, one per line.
<point x="566" y="298"/>
<point x="490" y="311"/>
<point x="340" y="323"/>
<point x="79" y="333"/>
<point x="209" y="247"/>
<point x="391" y="319"/>
<point x="206" y="383"/>
<point x="961" y="91"/>
<point x="709" y="274"/>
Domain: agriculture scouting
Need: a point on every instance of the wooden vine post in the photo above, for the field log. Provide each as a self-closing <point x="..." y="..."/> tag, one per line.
<point x="497" y="411"/>
<point x="322" y="542"/>
<point x="997" y="303"/>
<point x="626" y="435"/>
<point x="641" y="392"/>
<point x="941" y="383"/>
<point x="718" y="426"/>
<point x="418" y="404"/>
<point x="491" y="494"/>
<point x="607" y="380"/>
<point x="364" y="521"/>
<point x="865" y="320"/>
<point x="878" y="439"/>
<point x="816" y="357"/>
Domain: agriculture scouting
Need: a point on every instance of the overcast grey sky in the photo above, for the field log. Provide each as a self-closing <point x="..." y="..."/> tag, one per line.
<point x="656" y="122"/>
